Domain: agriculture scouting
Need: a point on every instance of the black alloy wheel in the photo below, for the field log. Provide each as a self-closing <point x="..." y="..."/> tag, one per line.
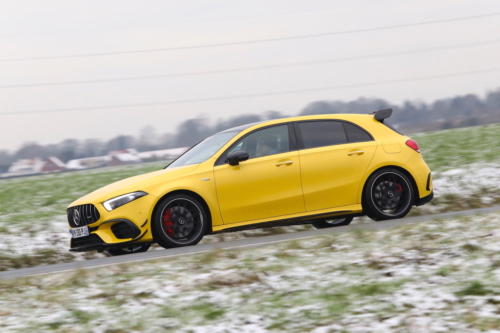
<point x="389" y="194"/>
<point x="180" y="220"/>
<point x="322" y="224"/>
<point x="132" y="248"/>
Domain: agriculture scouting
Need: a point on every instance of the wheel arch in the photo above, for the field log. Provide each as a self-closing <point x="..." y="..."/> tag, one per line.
<point x="185" y="192"/>
<point x="403" y="170"/>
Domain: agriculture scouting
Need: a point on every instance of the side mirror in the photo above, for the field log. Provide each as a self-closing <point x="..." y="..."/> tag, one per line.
<point x="236" y="157"/>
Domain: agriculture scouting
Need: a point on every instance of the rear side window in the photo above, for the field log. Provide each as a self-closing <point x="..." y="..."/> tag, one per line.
<point x="322" y="133"/>
<point x="356" y="134"/>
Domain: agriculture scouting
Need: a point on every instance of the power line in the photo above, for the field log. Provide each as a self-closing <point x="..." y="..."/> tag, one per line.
<point x="255" y="41"/>
<point x="257" y="68"/>
<point x="287" y="92"/>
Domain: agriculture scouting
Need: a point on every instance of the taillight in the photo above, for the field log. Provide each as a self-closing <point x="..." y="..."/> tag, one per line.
<point x="413" y="145"/>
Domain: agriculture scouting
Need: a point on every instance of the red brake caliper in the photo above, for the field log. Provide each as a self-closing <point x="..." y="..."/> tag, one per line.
<point x="167" y="222"/>
<point x="399" y="188"/>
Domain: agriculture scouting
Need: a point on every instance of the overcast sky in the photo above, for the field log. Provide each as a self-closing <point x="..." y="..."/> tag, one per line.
<point x="31" y="29"/>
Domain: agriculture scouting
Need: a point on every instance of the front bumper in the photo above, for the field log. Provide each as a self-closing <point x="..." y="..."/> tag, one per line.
<point x="94" y="242"/>
<point x="118" y="228"/>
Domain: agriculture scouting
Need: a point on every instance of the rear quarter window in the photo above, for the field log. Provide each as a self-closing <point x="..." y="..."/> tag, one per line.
<point x="356" y="134"/>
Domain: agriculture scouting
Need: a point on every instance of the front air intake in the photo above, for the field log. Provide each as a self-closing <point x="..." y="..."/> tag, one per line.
<point x="80" y="216"/>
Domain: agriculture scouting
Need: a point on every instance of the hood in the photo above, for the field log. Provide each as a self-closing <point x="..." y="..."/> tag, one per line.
<point x="132" y="184"/>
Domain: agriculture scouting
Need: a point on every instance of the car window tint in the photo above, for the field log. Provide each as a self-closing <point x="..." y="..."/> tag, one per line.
<point x="269" y="141"/>
<point x="356" y="134"/>
<point x="322" y="133"/>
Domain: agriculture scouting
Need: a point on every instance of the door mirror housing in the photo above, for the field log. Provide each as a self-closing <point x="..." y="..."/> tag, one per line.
<point x="236" y="157"/>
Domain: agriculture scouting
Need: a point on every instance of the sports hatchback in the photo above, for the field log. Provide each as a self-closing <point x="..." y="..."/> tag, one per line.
<point x="323" y="170"/>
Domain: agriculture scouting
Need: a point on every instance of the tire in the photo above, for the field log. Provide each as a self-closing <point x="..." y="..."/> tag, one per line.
<point x="180" y="220"/>
<point x="388" y="194"/>
<point x="133" y="248"/>
<point x="322" y="224"/>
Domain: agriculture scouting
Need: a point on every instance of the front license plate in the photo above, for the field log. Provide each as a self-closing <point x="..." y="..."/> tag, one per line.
<point x="79" y="232"/>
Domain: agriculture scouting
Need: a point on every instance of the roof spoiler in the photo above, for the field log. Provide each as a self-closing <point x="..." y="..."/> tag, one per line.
<point x="380" y="115"/>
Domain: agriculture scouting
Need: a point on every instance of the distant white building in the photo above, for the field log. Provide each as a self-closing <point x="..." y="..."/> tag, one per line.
<point x="25" y="167"/>
<point x="90" y="162"/>
<point x="162" y="154"/>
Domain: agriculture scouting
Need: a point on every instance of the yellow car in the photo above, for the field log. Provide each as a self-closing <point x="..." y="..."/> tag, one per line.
<point x="322" y="170"/>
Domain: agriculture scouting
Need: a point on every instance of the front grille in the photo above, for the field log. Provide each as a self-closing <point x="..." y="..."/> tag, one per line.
<point x="79" y="216"/>
<point x="92" y="239"/>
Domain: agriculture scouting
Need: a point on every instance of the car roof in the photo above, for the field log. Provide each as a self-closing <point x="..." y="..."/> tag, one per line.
<point x="339" y="116"/>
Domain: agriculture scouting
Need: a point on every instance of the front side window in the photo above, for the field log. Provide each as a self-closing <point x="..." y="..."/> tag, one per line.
<point x="268" y="141"/>
<point x="204" y="150"/>
<point x="322" y="133"/>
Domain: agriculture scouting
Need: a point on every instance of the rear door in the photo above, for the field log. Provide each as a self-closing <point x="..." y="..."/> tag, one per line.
<point x="334" y="156"/>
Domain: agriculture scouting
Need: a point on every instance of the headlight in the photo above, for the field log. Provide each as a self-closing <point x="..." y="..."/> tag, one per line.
<point x="122" y="200"/>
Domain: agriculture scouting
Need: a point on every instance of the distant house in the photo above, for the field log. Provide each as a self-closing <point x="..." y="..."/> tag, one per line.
<point x="52" y="164"/>
<point x="25" y="167"/>
<point x="123" y="157"/>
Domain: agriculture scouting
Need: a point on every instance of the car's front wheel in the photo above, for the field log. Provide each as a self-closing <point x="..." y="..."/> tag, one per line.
<point x="388" y="194"/>
<point x="322" y="224"/>
<point x="180" y="220"/>
<point x="132" y="248"/>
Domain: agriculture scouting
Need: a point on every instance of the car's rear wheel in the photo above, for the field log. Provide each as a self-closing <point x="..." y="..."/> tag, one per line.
<point x="180" y="220"/>
<point x="322" y="224"/>
<point x="132" y="248"/>
<point x="388" y="194"/>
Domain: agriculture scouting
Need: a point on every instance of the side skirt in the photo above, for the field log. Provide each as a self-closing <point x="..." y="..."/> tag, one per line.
<point x="291" y="221"/>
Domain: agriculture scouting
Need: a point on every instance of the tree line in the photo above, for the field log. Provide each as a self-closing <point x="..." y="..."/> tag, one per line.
<point x="410" y="117"/>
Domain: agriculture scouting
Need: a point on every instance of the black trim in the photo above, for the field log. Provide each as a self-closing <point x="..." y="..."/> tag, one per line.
<point x="292" y="139"/>
<point x="90" y="240"/>
<point x="428" y="182"/>
<point x="298" y="135"/>
<point x="123" y="230"/>
<point x="104" y="246"/>
<point x="223" y="157"/>
<point x="291" y="221"/>
<point x="424" y="200"/>
<point x="300" y="139"/>
<point x="142" y="226"/>
<point x="134" y="227"/>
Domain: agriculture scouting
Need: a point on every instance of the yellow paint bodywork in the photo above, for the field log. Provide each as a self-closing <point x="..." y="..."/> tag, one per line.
<point x="318" y="181"/>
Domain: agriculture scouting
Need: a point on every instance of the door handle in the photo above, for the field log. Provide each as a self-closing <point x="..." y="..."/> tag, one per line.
<point x="355" y="152"/>
<point x="284" y="163"/>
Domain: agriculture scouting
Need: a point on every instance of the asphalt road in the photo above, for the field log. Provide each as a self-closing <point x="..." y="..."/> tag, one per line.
<point x="241" y="243"/>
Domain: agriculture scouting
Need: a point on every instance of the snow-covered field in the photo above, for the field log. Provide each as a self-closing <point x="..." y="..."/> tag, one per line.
<point x="438" y="276"/>
<point x="34" y="230"/>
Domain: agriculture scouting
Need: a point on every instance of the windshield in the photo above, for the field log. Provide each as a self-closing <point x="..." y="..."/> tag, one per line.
<point x="204" y="150"/>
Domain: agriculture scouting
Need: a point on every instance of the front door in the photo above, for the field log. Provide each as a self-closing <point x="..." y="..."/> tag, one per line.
<point x="267" y="184"/>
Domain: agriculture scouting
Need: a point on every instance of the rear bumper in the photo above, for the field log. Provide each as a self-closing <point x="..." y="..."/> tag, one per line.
<point x="426" y="199"/>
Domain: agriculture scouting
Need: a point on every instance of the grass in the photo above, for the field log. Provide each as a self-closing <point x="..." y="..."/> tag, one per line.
<point x="451" y="149"/>
<point x="42" y="199"/>
<point x="474" y="288"/>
